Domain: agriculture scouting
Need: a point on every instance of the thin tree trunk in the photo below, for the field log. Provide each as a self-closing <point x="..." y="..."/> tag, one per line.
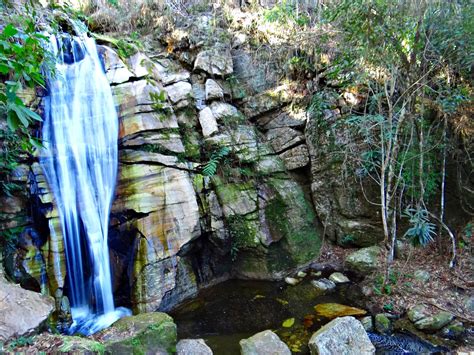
<point x="443" y="186"/>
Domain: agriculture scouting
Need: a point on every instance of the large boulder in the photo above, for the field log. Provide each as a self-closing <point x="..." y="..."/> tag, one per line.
<point x="141" y="334"/>
<point x="264" y="343"/>
<point x="344" y="335"/>
<point x="22" y="312"/>
<point x="364" y="260"/>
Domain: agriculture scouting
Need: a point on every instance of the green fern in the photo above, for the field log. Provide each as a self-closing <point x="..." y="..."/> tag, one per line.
<point x="210" y="168"/>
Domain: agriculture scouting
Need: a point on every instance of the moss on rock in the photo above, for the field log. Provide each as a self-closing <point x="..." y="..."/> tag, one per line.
<point x="141" y="334"/>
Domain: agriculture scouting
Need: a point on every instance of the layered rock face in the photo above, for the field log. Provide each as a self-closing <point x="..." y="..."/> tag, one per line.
<point x="173" y="227"/>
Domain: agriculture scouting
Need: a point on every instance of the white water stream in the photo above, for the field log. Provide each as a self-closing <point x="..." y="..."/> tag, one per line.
<point x="80" y="163"/>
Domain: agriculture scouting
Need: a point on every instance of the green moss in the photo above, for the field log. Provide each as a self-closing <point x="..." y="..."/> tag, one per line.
<point x="151" y="332"/>
<point x="243" y="232"/>
<point x="191" y="144"/>
<point x="291" y="217"/>
<point x="80" y="345"/>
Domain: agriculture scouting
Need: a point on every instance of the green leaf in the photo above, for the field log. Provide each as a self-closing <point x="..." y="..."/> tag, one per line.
<point x="288" y="323"/>
<point x="9" y="31"/>
<point x="4" y="69"/>
<point x="13" y="121"/>
<point x="32" y="114"/>
<point x="36" y="143"/>
<point x="21" y="114"/>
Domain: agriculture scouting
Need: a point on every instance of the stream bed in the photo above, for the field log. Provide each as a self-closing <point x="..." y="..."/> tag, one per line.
<point x="233" y="310"/>
<point x="236" y="309"/>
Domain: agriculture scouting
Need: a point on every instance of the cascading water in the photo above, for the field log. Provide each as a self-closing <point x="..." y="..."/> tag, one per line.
<point x="80" y="134"/>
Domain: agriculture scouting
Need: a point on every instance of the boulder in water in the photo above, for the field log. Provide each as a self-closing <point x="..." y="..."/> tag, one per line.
<point x="264" y="343"/>
<point x="425" y="321"/>
<point x="338" y="278"/>
<point x="344" y="335"/>
<point x="192" y="346"/>
<point x="435" y="322"/>
<point x="367" y="323"/>
<point x="324" y="285"/>
<point x="292" y="281"/>
<point x="141" y="334"/>
<point x="383" y="324"/>
<point x="22" y="312"/>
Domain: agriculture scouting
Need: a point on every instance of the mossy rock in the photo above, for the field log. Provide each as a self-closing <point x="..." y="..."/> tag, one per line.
<point x="383" y="324"/>
<point x="141" y="334"/>
<point x="290" y="217"/>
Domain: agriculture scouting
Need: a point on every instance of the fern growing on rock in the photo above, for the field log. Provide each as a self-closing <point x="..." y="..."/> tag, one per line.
<point x="210" y="168"/>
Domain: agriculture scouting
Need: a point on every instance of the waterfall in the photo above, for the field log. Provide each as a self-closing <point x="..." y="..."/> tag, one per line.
<point x="79" y="135"/>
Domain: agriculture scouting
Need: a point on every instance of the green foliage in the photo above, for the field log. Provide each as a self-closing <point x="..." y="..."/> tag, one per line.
<point x="382" y="286"/>
<point x="317" y="106"/>
<point x="421" y="231"/>
<point x="126" y="47"/>
<point x="284" y="13"/>
<point x="8" y="240"/>
<point x="159" y="104"/>
<point x="388" y="307"/>
<point x="348" y="239"/>
<point x="210" y="168"/>
<point x="20" y="342"/>
<point x="21" y="60"/>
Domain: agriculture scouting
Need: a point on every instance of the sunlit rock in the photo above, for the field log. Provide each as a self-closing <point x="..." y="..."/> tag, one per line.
<point x="208" y="122"/>
<point x="213" y="90"/>
<point x="364" y="260"/>
<point x="344" y="335"/>
<point x="296" y="157"/>
<point x="214" y="62"/>
<point x="263" y="343"/>
<point x="168" y="72"/>
<point x="23" y="312"/>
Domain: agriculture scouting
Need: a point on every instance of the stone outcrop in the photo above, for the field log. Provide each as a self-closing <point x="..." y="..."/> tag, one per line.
<point x="172" y="229"/>
<point x="341" y="196"/>
<point x="344" y="335"/>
